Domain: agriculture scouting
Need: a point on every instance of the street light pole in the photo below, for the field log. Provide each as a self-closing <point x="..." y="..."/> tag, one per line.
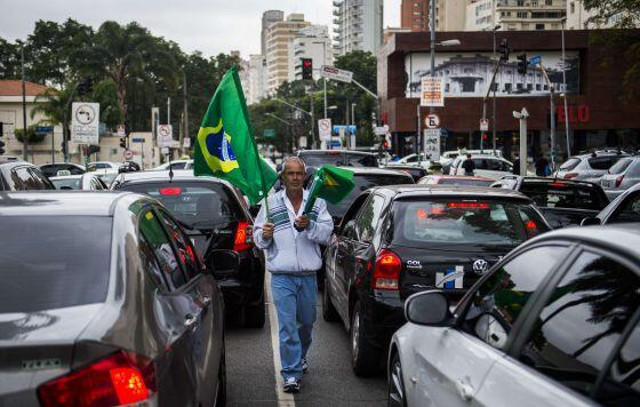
<point x="24" y="106"/>
<point x="564" y="82"/>
<point x="432" y="47"/>
<point x="495" y="125"/>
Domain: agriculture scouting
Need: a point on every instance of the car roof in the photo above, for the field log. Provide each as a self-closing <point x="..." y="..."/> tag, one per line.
<point x="63" y="163"/>
<point x="62" y="177"/>
<point x="463" y="191"/>
<point x="62" y="203"/>
<point x="163" y="175"/>
<point x="547" y="180"/>
<point x="474" y="178"/>
<point x="374" y="171"/>
<point x="333" y="152"/>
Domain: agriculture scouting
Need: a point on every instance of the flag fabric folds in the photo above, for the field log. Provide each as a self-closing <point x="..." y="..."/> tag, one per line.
<point x="225" y="146"/>
<point x="331" y="184"/>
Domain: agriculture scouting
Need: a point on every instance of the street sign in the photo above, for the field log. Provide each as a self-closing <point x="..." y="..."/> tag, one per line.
<point x="341" y="75"/>
<point x="432" y="143"/>
<point x="484" y="125"/>
<point x="44" y="129"/>
<point x="186" y="143"/>
<point x="336" y="143"/>
<point x="85" y="119"/>
<point x="120" y="131"/>
<point x="269" y="133"/>
<point x="341" y="130"/>
<point x="432" y="93"/>
<point x="432" y="121"/>
<point x="127" y="154"/>
<point x="165" y="135"/>
<point x="137" y="140"/>
<point x="324" y="129"/>
<point x="535" y="60"/>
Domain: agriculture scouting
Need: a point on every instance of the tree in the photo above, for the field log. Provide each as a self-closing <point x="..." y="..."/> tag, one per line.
<point x="9" y="60"/>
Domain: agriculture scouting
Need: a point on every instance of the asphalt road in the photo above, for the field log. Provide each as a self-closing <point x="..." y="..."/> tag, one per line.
<point x="252" y="378"/>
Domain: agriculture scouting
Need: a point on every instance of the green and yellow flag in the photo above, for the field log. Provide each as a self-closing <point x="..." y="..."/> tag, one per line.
<point x="225" y="146"/>
<point x="330" y="183"/>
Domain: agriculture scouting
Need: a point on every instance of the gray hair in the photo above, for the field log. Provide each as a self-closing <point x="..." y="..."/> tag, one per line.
<point x="293" y="158"/>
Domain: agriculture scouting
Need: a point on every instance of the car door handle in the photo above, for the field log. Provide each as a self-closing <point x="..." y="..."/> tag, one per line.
<point x="465" y="389"/>
<point x="190" y="321"/>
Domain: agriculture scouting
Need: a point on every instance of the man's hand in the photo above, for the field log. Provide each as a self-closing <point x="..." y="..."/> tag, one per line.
<point x="302" y="222"/>
<point x="267" y="230"/>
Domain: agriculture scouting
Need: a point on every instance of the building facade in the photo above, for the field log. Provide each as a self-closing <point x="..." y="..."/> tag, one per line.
<point x="357" y="25"/>
<point x="257" y="79"/>
<point x="268" y="17"/>
<point x="278" y="56"/>
<point x="312" y="42"/>
<point x="450" y="15"/>
<point x="515" y="15"/>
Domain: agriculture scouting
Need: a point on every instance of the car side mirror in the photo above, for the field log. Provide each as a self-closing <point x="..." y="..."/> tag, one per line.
<point x="223" y="261"/>
<point x="590" y="222"/>
<point x="427" y="308"/>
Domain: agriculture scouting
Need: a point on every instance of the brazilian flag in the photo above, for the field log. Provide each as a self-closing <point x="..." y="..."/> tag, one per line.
<point x="331" y="184"/>
<point x="225" y="146"/>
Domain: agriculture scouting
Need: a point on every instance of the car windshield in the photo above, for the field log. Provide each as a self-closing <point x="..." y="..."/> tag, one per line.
<point x="67" y="183"/>
<point x="53" y="261"/>
<point x="620" y="166"/>
<point x="202" y="205"/>
<point x="465" y="181"/>
<point x="425" y="222"/>
<point x="364" y="182"/>
<point x="565" y="195"/>
<point x="570" y="164"/>
<point x="338" y="158"/>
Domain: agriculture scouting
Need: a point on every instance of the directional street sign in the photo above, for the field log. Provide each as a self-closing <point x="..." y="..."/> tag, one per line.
<point x="341" y="75"/>
<point x="432" y="143"/>
<point x="535" y="60"/>
<point x="44" y="129"/>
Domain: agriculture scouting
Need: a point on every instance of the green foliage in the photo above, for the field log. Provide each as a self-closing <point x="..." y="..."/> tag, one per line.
<point x="9" y="60"/>
<point x="32" y="136"/>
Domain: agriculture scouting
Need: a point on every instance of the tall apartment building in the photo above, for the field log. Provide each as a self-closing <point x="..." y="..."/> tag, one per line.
<point x="414" y="15"/>
<point x="278" y="42"/>
<point x="515" y="15"/>
<point x="578" y="17"/>
<point x="243" y="72"/>
<point x="357" y="25"/>
<point x="269" y="17"/>
<point x="257" y="79"/>
<point x="311" y="42"/>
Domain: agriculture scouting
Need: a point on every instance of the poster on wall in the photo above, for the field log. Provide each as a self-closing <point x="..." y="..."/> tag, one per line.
<point x="469" y="74"/>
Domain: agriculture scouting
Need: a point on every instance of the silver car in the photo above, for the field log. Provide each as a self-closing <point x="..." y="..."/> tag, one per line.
<point x="588" y="167"/>
<point x="555" y="323"/>
<point x="104" y="301"/>
<point x="622" y="176"/>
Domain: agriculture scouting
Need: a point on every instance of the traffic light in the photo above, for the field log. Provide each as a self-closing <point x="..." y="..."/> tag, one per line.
<point x="1" y="135"/>
<point x="505" y="50"/>
<point x="85" y="87"/>
<point x="522" y="64"/>
<point x="307" y="69"/>
<point x="123" y="142"/>
<point x="485" y="137"/>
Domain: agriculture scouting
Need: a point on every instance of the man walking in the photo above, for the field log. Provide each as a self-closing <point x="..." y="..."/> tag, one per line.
<point x="468" y="166"/>
<point x="292" y="240"/>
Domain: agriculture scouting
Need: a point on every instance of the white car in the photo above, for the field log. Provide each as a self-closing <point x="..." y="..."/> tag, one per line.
<point x="485" y="166"/>
<point x="88" y="181"/>
<point x="447" y="157"/>
<point x="413" y="160"/>
<point x="555" y="323"/>
<point x="175" y="165"/>
<point x="102" y="165"/>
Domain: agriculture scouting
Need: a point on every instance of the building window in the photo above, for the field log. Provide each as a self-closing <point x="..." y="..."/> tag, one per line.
<point x="572" y="8"/>
<point x="519" y="86"/>
<point x="447" y="88"/>
<point x="548" y="2"/>
<point x="529" y="86"/>
<point x="521" y="14"/>
<point x="507" y="87"/>
<point x="538" y="86"/>
<point x="520" y="3"/>
<point x="539" y="26"/>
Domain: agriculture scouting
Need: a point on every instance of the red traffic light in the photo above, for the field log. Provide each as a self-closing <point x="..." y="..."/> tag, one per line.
<point x="306" y="63"/>
<point x="484" y="136"/>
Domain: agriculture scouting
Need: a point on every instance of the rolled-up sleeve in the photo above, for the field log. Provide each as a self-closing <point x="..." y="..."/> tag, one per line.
<point x="260" y="241"/>
<point x="319" y="230"/>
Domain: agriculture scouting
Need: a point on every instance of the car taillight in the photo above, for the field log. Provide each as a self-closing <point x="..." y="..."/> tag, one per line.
<point x="386" y="271"/>
<point x="170" y="191"/>
<point x="468" y="205"/>
<point x="244" y="237"/>
<point x="619" y="180"/>
<point x="570" y="175"/>
<point x="558" y="184"/>
<point x="121" y="378"/>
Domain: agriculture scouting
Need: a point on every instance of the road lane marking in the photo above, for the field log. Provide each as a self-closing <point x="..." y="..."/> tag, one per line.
<point x="284" y="399"/>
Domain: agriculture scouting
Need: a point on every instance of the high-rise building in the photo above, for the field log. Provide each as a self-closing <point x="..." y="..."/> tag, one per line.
<point x="243" y="72"/>
<point x="311" y="42"/>
<point x="515" y="15"/>
<point x="278" y="56"/>
<point x="578" y="18"/>
<point x="357" y="25"/>
<point x="257" y="79"/>
<point x="414" y="15"/>
<point x="269" y="17"/>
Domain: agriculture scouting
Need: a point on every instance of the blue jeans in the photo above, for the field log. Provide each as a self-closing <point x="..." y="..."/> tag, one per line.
<point x="295" y="300"/>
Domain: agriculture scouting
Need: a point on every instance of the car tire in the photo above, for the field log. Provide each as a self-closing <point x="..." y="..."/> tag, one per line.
<point x="254" y="315"/>
<point x="221" y="396"/>
<point x="329" y="312"/>
<point x="396" y="396"/>
<point x="364" y="357"/>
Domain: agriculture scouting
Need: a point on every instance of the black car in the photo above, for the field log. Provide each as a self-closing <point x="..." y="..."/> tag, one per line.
<point x="415" y="171"/>
<point x="51" y="170"/>
<point x="216" y="216"/>
<point x="623" y="209"/>
<point x="562" y="202"/>
<point x="337" y="158"/>
<point x="398" y="240"/>
<point x="16" y="175"/>
<point x="104" y="302"/>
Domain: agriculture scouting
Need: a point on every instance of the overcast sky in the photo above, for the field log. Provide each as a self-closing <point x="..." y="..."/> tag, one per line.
<point x="210" y="26"/>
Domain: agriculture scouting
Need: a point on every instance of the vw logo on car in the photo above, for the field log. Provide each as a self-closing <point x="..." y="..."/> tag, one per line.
<point x="480" y="266"/>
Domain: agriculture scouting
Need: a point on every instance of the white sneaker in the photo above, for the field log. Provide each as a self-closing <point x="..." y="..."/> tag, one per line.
<point x="291" y="385"/>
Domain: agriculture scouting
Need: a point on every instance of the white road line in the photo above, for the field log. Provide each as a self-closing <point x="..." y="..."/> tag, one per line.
<point x="284" y="399"/>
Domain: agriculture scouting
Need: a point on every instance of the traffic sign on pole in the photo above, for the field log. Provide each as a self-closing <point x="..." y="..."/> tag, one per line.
<point x="127" y="154"/>
<point x="484" y="125"/>
<point x="341" y="75"/>
<point x="432" y="121"/>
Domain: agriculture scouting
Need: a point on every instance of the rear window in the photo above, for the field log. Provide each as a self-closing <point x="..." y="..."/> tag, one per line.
<point x="338" y="158"/>
<point x="202" y="205"/>
<point x="73" y="183"/>
<point x="453" y="181"/>
<point x="364" y="182"/>
<point x="487" y="223"/>
<point x="570" y="164"/>
<point x="565" y="195"/>
<point x="620" y="166"/>
<point x="53" y="262"/>
<point x="602" y="163"/>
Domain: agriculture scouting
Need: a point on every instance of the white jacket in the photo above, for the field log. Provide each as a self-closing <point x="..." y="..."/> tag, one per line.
<point x="290" y="251"/>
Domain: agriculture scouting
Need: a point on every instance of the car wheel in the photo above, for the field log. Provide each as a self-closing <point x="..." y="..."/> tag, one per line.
<point x="329" y="312"/>
<point x="395" y="384"/>
<point x="364" y="357"/>
<point x="254" y="315"/>
<point x="221" y="394"/>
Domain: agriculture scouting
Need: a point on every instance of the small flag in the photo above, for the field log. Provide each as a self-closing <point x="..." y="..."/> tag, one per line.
<point x="330" y="183"/>
<point x="225" y="146"/>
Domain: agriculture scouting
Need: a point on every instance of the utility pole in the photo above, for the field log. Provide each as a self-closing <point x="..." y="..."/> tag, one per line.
<point x="495" y="124"/>
<point x="523" y="115"/>
<point x="169" y="110"/>
<point x="564" y="81"/>
<point x="24" y="107"/>
<point x="552" y="106"/>
<point x="186" y="107"/>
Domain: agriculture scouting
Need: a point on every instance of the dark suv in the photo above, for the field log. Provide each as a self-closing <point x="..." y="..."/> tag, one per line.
<point x="216" y="216"/>
<point x="398" y="240"/>
<point x="18" y="175"/>
<point x="345" y="158"/>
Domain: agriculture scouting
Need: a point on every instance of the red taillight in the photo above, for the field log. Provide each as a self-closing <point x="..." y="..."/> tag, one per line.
<point x="531" y="225"/>
<point x="468" y="205"/>
<point x="570" y="175"/>
<point x="170" y="191"/>
<point x="558" y="184"/>
<point x="619" y="180"/>
<point x="121" y="378"/>
<point x="386" y="271"/>
<point x="244" y="237"/>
